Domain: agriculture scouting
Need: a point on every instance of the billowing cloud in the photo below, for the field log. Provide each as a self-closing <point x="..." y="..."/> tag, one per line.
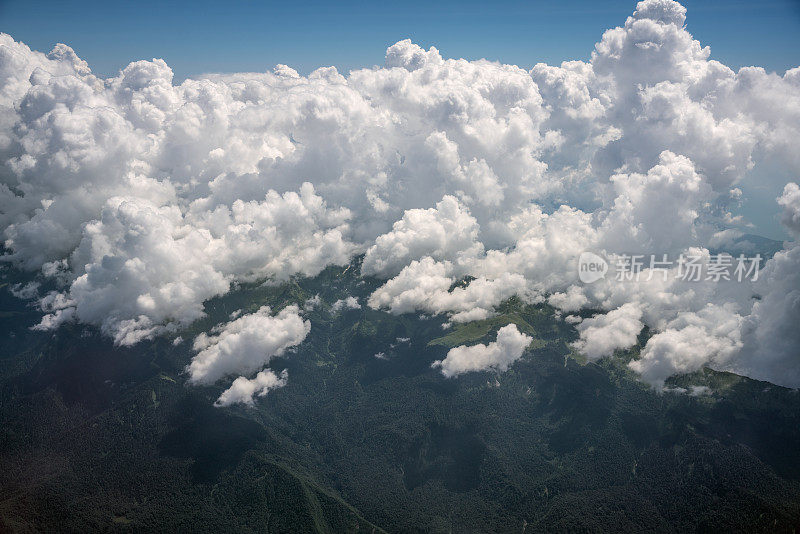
<point x="462" y="183"/>
<point x="243" y="390"/>
<point x="790" y="202"/>
<point x="497" y="355"/>
<point x="770" y="335"/>
<point x="426" y="285"/>
<point x="246" y="344"/>
<point x="146" y="269"/>
<point x="603" y="334"/>
<point x="689" y="342"/>
<point x="447" y="231"/>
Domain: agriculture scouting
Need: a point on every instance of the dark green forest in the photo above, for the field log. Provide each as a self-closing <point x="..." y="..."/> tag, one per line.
<point x="101" y="438"/>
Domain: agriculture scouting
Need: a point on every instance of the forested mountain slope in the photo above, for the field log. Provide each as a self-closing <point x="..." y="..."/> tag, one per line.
<point x="97" y="437"/>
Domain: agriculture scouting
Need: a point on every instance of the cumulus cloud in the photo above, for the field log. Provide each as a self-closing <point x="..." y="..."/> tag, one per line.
<point x="689" y="342"/>
<point x="246" y="344"/>
<point x="349" y="303"/>
<point x="603" y="334"/>
<point x="243" y="389"/>
<point x="426" y="285"/>
<point x="447" y="231"/>
<point x="145" y="268"/>
<point x="770" y="336"/>
<point x="497" y="355"/>
<point x="790" y="202"/>
<point x="462" y="183"/>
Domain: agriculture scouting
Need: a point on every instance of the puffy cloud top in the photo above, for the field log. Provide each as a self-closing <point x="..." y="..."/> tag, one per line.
<point x="242" y="390"/>
<point x="603" y="334"/>
<point x="140" y="199"/>
<point x="790" y="202"/>
<point x="246" y="344"/>
<point x="447" y="231"/>
<point x="663" y="11"/>
<point x="407" y="55"/>
<point x="497" y="355"/>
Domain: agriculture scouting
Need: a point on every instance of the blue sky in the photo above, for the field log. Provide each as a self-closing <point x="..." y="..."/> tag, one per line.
<point x="201" y="36"/>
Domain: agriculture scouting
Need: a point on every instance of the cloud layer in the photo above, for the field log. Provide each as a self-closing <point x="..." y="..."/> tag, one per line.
<point x="141" y="199"/>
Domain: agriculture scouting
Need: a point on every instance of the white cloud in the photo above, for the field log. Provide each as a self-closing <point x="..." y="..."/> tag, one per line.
<point x="769" y="333"/>
<point x="246" y="344"/>
<point x="242" y="389"/>
<point x="689" y="342"/>
<point x="671" y="191"/>
<point x="146" y="269"/>
<point x="790" y="202"/>
<point x="142" y="198"/>
<point x="27" y="291"/>
<point x="349" y="303"/>
<point x="425" y="285"/>
<point x="497" y="355"/>
<point x="312" y="303"/>
<point x="448" y="231"/>
<point x="573" y="299"/>
<point x="603" y="334"/>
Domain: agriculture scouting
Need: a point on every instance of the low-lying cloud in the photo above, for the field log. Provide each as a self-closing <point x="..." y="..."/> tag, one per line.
<point x="246" y="344"/>
<point x="141" y="199"/>
<point x="497" y="355"/>
<point x="242" y="390"/>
